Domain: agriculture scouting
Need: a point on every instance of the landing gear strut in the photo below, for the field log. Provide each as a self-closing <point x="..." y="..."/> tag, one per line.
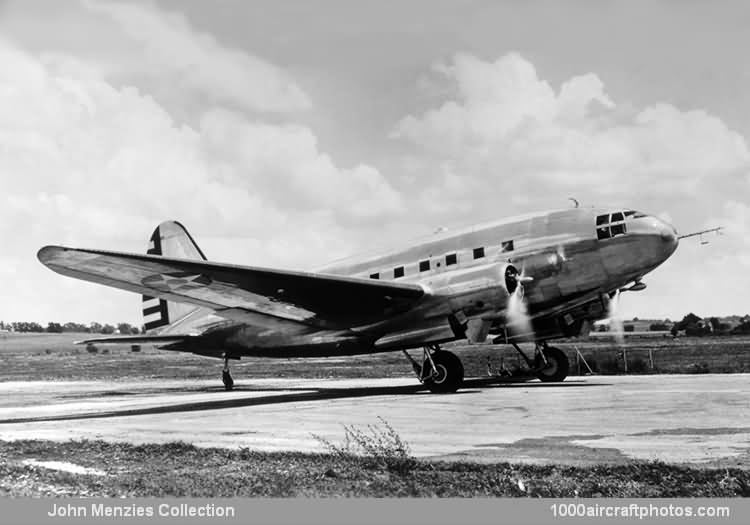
<point x="440" y="371"/>
<point x="550" y="364"/>
<point x="226" y="377"/>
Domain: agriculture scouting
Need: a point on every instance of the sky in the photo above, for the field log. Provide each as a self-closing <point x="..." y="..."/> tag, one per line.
<point x="289" y="134"/>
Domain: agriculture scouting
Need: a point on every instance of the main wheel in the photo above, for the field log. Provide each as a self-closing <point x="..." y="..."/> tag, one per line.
<point x="449" y="372"/>
<point x="556" y="368"/>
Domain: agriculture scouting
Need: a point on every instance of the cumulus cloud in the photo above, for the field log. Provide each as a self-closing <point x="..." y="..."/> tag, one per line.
<point x="169" y="48"/>
<point x="86" y="163"/>
<point x="505" y="122"/>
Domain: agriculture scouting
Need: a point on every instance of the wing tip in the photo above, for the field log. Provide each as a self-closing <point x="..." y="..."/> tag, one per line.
<point x="47" y="253"/>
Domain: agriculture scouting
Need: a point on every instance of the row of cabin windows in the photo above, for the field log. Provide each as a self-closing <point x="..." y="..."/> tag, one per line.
<point x="450" y="259"/>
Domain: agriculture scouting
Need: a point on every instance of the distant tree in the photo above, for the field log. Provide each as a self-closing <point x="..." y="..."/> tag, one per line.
<point x="689" y="320"/>
<point x="95" y="328"/>
<point x="714" y="324"/>
<point x="24" y="326"/>
<point x="75" y="327"/>
<point x="742" y="328"/>
<point x="127" y="329"/>
<point x="698" y="329"/>
<point x="108" y="329"/>
<point x="55" y="328"/>
<point x="635" y="318"/>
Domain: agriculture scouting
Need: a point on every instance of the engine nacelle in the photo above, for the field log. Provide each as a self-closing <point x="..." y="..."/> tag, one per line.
<point x="475" y="290"/>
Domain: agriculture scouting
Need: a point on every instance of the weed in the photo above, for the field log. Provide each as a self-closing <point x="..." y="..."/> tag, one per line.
<point x="379" y="446"/>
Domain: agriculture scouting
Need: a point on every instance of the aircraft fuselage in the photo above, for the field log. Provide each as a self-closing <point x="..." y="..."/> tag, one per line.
<point x="572" y="260"/>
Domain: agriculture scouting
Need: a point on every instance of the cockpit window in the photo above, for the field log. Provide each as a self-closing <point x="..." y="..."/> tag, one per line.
<point x="608" y="226"/>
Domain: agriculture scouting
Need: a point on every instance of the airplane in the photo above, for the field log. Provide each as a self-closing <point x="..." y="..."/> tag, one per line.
<point x="531" y="278"/>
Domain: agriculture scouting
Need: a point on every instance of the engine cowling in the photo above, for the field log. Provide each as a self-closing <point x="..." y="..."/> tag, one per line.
<point x="477" y="290"/>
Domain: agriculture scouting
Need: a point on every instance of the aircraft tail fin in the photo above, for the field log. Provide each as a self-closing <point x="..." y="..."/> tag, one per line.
<point x="170" y="239"/>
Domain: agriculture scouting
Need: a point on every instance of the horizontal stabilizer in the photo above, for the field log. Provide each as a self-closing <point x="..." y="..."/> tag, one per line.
<point x="136" y="339"/>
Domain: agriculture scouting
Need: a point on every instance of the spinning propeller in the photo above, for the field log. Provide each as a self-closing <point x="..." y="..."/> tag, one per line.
<point x="519" y="321"/>
<point x="615" y="319"/>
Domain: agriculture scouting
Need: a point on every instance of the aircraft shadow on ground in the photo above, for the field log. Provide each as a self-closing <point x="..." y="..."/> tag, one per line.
<point x="292" y="395"/>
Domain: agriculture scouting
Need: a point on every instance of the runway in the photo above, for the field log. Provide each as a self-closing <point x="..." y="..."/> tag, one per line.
<point x="696" y="419"/>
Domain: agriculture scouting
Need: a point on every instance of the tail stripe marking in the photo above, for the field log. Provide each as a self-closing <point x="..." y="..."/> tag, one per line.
<point x="152" y="310"/>
<point x="153" y="307"/>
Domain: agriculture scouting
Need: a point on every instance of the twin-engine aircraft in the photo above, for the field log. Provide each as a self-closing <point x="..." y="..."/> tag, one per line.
<point x="529" y="278"/>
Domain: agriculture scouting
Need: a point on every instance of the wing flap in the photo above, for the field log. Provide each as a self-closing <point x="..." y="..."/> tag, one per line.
<point x="321" y="300"/>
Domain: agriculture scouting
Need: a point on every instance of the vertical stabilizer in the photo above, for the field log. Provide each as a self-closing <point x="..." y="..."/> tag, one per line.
<point x="170" y="239"/>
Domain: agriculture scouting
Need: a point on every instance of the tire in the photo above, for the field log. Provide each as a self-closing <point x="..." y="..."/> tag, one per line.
<point x="450" y="373"/>
<point x="557" y="366"/>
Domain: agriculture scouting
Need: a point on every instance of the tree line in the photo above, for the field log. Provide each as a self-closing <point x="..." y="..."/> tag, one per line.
<point x="59" y="328"/>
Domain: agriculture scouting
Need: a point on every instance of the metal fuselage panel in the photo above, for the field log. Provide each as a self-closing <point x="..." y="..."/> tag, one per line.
<point x="570" y="263"/>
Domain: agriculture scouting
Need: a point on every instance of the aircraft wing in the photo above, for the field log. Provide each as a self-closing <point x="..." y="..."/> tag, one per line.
<point x="321" y="300"/>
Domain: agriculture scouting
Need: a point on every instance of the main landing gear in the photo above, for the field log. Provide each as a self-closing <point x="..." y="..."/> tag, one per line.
<point x="550" y="364"/>
<point x="226" y="377"/>
<point x="440" y="371"/>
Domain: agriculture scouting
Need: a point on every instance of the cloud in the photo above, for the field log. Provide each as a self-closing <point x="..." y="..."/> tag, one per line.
<point x="170" y="49"/>
<point x="86" y="163"/>
<point x="505" y="123"/>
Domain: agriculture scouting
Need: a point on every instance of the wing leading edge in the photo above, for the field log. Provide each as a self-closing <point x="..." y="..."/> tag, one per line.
<point x="321" y="300"/>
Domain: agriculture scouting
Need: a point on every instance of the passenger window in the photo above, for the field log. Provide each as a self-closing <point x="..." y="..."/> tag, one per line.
<point x="478" y="253"/>
<point x="629" y="213"/>
<point x="617" y="229"/>
<point x="617" y="217"/>
<point x="424" y="266"/>
<point x="602" y="233"/>
<point x="602" y="219"/>
<point x="451" y="258"/>
<point x="375" y="275"/>
<point x="398" y="272"/>
<point x="506" y="246"/>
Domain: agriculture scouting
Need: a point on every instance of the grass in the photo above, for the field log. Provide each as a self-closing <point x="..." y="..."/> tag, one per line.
<point x="179" y="469"/>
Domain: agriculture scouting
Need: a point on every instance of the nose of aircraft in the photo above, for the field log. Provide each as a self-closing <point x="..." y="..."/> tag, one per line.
<point x="668" y="234"/>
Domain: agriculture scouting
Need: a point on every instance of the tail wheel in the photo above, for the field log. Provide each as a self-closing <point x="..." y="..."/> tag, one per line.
<point x="556" y="368"/>
<point x="448" y="374"/>
<point x="226" y="378"/>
